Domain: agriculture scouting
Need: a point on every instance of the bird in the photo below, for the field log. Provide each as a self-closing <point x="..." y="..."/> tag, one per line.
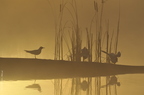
<point x="35" y="52"/>
<point x="84" y="53"/>
<point x="113" y="57"/>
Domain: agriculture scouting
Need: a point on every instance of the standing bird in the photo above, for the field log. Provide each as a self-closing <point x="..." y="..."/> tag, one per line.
<point x="85" y="53"/>
<point x="35" y="52"/>
<point x="113" y="57"/>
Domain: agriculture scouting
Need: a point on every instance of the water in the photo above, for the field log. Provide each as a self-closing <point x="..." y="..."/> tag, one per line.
<point x="131" y="84"/>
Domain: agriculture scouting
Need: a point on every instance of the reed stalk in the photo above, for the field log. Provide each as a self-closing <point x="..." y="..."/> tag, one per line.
<point x="90" y="44"/>
<point x="118" y="29"/>
<point x="76" y="45"/>
<point x="107" y="59"/>
<point x="59" y="47"/>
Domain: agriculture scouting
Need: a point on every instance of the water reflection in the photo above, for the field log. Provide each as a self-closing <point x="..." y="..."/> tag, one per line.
<point x="84" y="85"/>
<point x="34" y="86"/>
<point x="130" y="85"/>
<point x="103" y="83"/>
<point x="112" y="81"/>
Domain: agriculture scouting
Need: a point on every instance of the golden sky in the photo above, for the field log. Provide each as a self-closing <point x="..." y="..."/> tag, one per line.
<point x="28" y="24"/>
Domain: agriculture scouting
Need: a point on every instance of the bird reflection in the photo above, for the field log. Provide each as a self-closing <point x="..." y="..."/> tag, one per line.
<point x="35" y="52"/>
<point x="84" y="85"/>
<point x="112" y="81"/>
<point x="34" y="86"/>
<point x="113" y="57"/>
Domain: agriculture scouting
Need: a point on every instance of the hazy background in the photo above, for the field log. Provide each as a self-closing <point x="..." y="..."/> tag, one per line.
<point x="28" y="24"/>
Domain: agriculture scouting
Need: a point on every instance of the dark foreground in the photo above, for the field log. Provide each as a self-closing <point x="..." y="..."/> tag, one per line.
<point x="26" y="69"/>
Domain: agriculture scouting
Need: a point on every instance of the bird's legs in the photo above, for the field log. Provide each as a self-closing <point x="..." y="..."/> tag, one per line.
<point x="34" y="81"/>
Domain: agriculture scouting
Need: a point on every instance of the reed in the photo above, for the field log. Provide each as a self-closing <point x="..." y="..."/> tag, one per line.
<point x="75" y="40"/>
<point x="59" y="29"/>
<point x="107" y="59"/>
<point x="99" y="44"/>
<point x="118" y="29"/>
<point x="90" y="45"/>
<point x="75" y="44"/>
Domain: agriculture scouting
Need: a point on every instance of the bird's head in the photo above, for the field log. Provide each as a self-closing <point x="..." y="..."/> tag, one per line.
<point x="118" y="54"/>
<point x="41" y="47"/>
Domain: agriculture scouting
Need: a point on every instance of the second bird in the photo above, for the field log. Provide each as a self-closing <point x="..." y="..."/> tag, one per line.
<point x="35" y="52"/>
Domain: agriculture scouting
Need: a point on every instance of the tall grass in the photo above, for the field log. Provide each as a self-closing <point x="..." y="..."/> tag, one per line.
<point x="59" y="29"/>
<point x="74" y="45"/>
<point x="75" y="40"/>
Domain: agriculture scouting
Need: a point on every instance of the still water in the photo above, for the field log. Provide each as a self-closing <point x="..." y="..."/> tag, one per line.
<point x="130" y="84"/>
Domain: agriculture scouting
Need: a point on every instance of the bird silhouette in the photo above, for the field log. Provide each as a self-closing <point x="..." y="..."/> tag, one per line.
<point x="35" y="52"/>
<point x="113" y="57"/>
<point x="85" y="53"/>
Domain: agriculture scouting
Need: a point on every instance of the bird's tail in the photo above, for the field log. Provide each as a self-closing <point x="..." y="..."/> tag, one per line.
<point x="105" y="52"/>
<point x="26" y="51"/>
